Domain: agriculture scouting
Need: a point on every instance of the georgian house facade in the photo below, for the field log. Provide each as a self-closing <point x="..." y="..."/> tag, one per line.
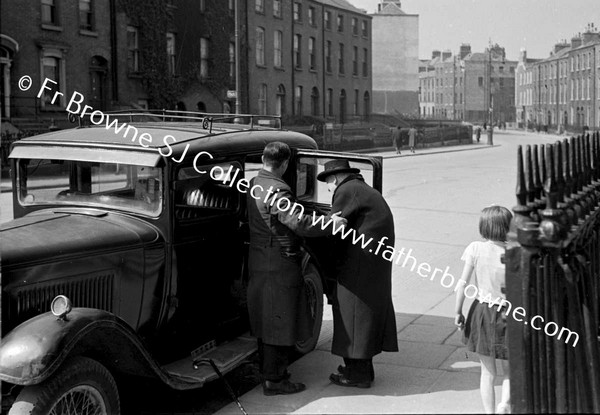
<point x="309" y="58"/>
<point x="562" y="91"/>
<point x="468" y="86"/>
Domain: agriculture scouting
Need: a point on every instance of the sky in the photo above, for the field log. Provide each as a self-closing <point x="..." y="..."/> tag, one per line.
<point x="535" y="25"/>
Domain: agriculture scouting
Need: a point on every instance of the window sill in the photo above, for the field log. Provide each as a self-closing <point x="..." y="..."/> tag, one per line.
<point x="313" y="70"/>
<point x="47" y="26"/>
<point x="279" y="68"/>
<point x="298" y="68"/>
<point x="88" y="33"/>
<point x="262" y="12"/>
<point x="137" y="75"/>
<point x="261" y="66"/>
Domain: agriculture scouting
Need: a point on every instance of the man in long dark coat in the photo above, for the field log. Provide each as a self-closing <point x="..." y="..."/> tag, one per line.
<point x="277" y="303"/>
<point x="364" y="321"/>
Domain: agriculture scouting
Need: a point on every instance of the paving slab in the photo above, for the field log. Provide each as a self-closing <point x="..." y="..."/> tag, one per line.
<point x="426" y="333"/>
<point x="462" y="361"/>
<point x="417" y="355"/>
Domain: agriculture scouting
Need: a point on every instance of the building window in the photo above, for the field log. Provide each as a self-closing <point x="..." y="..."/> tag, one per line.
<point x="328" y="20"/>
<point x="355" y="61"/>
<point x="259" y="6"/>
<point x="328" y="56"/>
<point x="329" y="99"/>
<point x="340" y="23"/>
<point x="171" y="52"/>
<point x="312" y="55"/>
<point x="364" y="26"/>
<point x="314" y="102"/>
<point x="479" y="81"/>
<point x="280" y="100"/>
<point x="277" y="42"/>
<point x="365" y="63"/>
<point x="231" y="7"/>
<point x="232" y="61"/>
<point x="49" y="14"/>
<point x="86" y="15"/>
<point x="260" y="46"/>
<point x="297" y="12"/>
<point x="311" y="16"/>
<point x="262" y="99"/>
<point x="298" y="96"/>
<point x="277" y="8"/>
<point x="501" y="69"/>
<point x="297" y="51"/>
<point x="341" y="60"/>
<point x="204" y="56"/>
<point x="133" y="52"/>
<point x="202" y="6"/>
<point x="52" y="69"/>
<point x="355" y="26"/>
<point x="355" y="103"/>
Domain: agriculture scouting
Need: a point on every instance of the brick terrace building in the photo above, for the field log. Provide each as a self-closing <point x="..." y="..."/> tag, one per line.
<point x="81" y="45"/>
<point x="309" y="58"/>
<point x="459" y="87"/>
<point x="118" y="54"/>
<point x="564" y="88"/>
<point x="205" y="38"/>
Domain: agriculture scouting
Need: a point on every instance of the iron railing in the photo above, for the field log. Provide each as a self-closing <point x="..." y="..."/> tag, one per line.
<point x="553" y="271"/>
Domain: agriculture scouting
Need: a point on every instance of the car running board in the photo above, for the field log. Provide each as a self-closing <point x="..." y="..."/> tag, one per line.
<point x="226" y="356"/>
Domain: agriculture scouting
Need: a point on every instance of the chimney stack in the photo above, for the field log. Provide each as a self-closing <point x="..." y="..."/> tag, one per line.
<point x="465" y="49"/>
<point x="446" y="54"/>
<point x="575" y="42"/>
<point x="436" y="54"/>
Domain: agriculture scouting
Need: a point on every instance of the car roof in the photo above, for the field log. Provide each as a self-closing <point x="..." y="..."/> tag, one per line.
<point x="219" y="139"/>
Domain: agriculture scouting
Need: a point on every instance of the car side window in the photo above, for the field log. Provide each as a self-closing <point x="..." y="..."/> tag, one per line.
<point x="309" y="189"/>
<point x="205" y="195"/>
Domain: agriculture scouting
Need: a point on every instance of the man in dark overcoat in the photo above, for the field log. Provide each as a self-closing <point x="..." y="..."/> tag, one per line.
<point x="364" y="321"/>
<point x="277" y="304"/>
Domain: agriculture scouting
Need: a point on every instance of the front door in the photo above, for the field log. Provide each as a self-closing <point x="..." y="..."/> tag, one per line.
<point x="98" y="71"/>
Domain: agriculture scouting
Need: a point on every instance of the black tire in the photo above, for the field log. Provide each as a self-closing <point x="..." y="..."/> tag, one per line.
<point x="80" y="380"/>
<point x="314" y="290"/>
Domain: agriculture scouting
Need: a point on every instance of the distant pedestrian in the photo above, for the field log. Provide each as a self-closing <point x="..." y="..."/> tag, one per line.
<point x="485" y="328"/>
<point x="484" y="126"/>
<point x="478" y="133"/>
<point x="396" y="139"/>
<point x="412" y="138"/>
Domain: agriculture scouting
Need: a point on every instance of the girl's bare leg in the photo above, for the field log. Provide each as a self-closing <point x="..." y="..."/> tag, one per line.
<point x="486" y="384"/>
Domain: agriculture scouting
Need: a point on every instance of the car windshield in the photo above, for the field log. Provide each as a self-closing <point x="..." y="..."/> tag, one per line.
<point x="92" y="184"/>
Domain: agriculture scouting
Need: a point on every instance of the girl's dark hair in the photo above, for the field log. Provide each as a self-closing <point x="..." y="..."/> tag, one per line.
<point x="494" y="223"/>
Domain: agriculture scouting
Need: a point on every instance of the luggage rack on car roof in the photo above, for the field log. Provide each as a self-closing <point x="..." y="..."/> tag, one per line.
<point x="207" y="119"/>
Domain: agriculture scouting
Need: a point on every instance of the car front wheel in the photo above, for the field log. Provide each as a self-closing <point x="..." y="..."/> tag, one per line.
<point x="81" y="386"/>
<point x="314" y="291"/>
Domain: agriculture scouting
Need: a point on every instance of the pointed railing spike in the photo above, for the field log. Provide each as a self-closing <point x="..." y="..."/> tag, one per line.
<point x="521" y="190"/>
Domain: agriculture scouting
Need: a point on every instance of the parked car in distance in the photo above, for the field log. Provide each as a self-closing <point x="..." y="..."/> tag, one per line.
<point x="128" y="254"/>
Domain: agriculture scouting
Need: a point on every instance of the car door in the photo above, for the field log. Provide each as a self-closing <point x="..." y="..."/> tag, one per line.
<point x="315" y="196"/>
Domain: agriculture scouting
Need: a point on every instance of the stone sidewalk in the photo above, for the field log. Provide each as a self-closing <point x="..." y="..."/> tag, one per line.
<point x="432" y="373"/>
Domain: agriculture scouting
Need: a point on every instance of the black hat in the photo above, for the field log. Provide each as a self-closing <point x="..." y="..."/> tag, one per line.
<point x="336" y="166"/>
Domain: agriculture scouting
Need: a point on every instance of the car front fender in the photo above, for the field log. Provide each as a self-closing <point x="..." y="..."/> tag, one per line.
<point x="32" y="351"/>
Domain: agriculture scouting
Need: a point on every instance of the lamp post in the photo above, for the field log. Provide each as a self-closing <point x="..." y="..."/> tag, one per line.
<point x="490" y="100"/>
<point x="238" y="103"/>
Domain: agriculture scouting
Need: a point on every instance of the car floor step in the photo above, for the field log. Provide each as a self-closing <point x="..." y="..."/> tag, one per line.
<point x="226" y="356"/>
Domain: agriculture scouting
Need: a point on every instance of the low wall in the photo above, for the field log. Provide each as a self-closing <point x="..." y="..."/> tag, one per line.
<point x="362" y="137"/>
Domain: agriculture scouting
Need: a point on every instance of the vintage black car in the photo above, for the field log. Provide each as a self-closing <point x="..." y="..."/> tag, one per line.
<point x="126" y="232"/>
